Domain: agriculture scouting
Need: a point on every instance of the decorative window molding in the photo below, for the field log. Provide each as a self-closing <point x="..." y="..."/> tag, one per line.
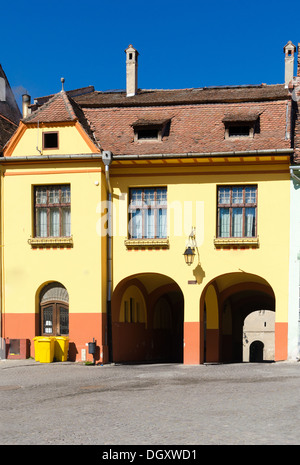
<point x="147" y="243"/>
<point x="236" y="242"/>
<point x="51" y="241"/>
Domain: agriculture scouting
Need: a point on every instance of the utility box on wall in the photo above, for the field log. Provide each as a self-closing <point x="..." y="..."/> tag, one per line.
<point x="17" y="349"/>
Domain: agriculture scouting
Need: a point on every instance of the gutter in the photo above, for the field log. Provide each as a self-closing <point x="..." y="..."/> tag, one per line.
<point x="98" y="156"/>
<point x="107" y="159"/>
<point x="39" y="158"/>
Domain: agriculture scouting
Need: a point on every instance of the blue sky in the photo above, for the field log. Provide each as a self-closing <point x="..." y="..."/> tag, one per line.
<point x="182" y="44"/>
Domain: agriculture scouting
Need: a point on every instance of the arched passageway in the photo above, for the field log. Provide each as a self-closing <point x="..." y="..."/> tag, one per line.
<point x="147" y="320"/>
<point x="228" y="301"/>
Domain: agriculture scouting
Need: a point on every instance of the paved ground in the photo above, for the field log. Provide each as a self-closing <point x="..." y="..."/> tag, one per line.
<point x="68" y="403"/>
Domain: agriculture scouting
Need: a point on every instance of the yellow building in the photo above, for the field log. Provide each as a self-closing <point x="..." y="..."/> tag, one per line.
<point x="101" y="195"/>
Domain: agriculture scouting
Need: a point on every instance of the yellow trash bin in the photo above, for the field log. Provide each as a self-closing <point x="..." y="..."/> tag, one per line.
<point x="61" y="348"/>
<point x="44" y="349"/>
<point x="36" y="348"/>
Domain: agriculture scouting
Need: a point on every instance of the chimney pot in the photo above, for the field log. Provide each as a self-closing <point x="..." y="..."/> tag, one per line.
<point x="289" y="51"/>
<point x="25" y="104"/>
<point x="131" y="71"/>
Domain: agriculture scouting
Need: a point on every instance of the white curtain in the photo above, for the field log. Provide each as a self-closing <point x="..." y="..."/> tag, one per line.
<point x="237" y="222"/>
<point x="41" y="222"/>
<point x="224" y="222"/>
<point x="250" y="222"/>
<point x="137" y="223"/>
<point x="162" y="223"/>
<point x="66" y="222"/>
<point x="54" y="222"/>
<point x="149" y="223"/>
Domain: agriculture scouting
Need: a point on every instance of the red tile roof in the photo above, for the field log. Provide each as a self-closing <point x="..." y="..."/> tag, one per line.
<point x="196" y="118"/>
<point x="184" y="96"/>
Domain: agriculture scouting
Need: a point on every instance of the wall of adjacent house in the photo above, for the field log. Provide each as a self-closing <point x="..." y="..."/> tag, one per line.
<point x="192" y="193"/>
<point x="294" y="272"/>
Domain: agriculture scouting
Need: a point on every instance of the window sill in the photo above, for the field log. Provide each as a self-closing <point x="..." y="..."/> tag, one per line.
<point x="147" y="243"/>
<point x="51" y="241"/>
<point x="236" y="242"/>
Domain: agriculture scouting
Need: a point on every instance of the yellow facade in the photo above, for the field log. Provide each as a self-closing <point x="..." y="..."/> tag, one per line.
<point x="192" y="201"/>
<point x="29" y="263"/>
<point x="160" y="307"/>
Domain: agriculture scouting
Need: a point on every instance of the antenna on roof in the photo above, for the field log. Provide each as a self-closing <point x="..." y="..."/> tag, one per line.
<point x="62" y="83"/>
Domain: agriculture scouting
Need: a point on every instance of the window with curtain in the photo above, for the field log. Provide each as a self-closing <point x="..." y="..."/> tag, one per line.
<point x="148" y="213"/>
<point x="237" y="211"/>
<point x="52" y="211"/>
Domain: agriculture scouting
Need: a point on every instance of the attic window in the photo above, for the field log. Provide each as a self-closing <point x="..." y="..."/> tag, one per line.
<point x="147" y="134"/>
<point x="50" y="140"/>
<point x="150" y="130"/>
<point x="239" y="131"/>
<point x="242" y="124"/>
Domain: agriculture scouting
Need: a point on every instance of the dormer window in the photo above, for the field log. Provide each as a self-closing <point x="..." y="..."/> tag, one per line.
<point x="241" y="124"/>
<point x="50" y="140"/>
<point x="147" y="133"/>
<point x="150" y="130"/>
<point x="239" y="130"/>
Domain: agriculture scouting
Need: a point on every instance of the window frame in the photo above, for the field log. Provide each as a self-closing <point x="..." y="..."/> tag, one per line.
<point x="56" y="320"/>
<point x="144" y="208"/>
<point x="231" y="206"/>
<point x="50" y="205"/>
<point x="139" y="129"/>
<point x="45" y="133"/>
<point x="231" y="125"/>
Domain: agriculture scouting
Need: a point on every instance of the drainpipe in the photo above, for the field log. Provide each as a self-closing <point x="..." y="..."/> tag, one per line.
<point x="107" y="159"/>
<point x="293" y="176"/>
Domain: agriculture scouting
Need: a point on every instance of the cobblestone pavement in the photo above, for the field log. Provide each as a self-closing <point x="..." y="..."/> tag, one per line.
<point x="70" y="403"/>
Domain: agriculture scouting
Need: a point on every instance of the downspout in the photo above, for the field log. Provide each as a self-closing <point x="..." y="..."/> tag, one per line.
<point x="107" y="159"/>
<point x="293" y="176"/>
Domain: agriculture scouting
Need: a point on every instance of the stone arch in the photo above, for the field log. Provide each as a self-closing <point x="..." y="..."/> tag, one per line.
<point x="230" y="298"/>
<point x="159" y="334"/>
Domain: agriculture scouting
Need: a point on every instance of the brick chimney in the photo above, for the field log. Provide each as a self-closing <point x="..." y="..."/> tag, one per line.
<point x="289" y="51"/>
<point x="131" y="71"/>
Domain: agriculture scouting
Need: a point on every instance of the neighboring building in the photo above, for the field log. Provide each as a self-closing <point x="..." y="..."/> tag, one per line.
<point x="294" y="288"/>
<point x="205" y="170"/>
<point x="10" y="114"/>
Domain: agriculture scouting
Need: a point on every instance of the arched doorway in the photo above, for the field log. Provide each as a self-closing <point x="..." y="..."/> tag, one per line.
<point x="256" y="351"/>
<point x="54" y="310"/>
<point x="228" y="300"/>
<point x="147" y="320"/>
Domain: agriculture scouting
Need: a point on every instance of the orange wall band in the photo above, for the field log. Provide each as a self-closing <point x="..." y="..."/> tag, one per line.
<point x="281" y="341"/>
<point x="83" y="328"/>
<point x="191" y="335"/>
